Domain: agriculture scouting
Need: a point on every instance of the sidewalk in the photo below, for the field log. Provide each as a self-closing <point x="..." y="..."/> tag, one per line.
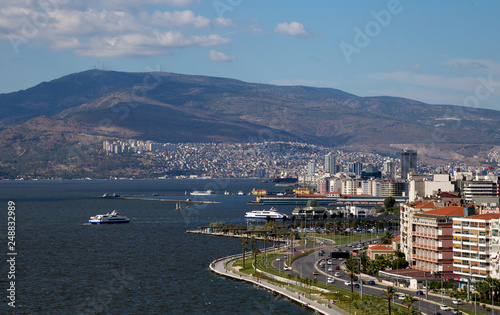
<point x="218" y="266"/>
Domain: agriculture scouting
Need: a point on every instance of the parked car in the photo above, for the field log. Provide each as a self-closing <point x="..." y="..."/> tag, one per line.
<point x="337" y="268"/>
<point x="347" y="283"/>
<point x="444" y="307"/>
<point x="401" y="296"/>
<point x="419" y="292"/>
<point x="287" y="268"/>
<point x="330" y="269"/>
<point x="315" y="273"/>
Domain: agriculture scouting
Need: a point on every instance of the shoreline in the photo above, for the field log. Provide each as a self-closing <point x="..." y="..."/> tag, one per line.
<point x="218" y="266"/>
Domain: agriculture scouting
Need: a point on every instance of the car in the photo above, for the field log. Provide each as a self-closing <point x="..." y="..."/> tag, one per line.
<point x="444" y="307"/>
<point x="371" y="282"/>
<point x="287" y="268"/>
<point x="330" y="280"/>
<point x="457" y="302"/>
<point x="419" y="292"/>
<point x="278" y="259"/>
<point x="315" y="273"/>
<point x="337" y="268"/>
<point x="456" y="311"/>
<point x="337" y="274"/>
<point x="401" y="296"/>
<point x="322" y="265"/>
<point x="329" y="262"/>
<point x="340" y="259"/>
<point x="356" y="286"/>
<point x="347" y="283"/>
<point x="330" y="269"/>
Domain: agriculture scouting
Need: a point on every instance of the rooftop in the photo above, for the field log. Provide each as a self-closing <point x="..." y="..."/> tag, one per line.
<point x="447" y="211"/>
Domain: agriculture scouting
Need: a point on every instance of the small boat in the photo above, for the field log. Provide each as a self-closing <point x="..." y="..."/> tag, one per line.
<point x="271" y="214"/>
<point x="109" y="218"/>
<point x="240" y="193"/>
<point x="202" y="193"/>
<point x="263" y="182"/>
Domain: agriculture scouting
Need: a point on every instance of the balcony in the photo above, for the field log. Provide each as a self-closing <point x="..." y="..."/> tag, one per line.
<point x="434" y="248"/>
<point x="425" y="235"/>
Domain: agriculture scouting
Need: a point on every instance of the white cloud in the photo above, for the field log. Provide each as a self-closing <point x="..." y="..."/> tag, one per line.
<point x="223" y="22"/>
<point x="148" y="45"/>
<point x="482" y="65"/>
<point x="219" y="56"/>
<point x="293" y="29"/>
<point x="177" y="19"/>
<point x="109" y="33"/>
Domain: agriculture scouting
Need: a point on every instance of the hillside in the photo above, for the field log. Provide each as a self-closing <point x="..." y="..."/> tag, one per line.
<point x="95" y="105"/>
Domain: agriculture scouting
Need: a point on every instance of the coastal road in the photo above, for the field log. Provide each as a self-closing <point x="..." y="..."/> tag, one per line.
<point x="305" y="266"/>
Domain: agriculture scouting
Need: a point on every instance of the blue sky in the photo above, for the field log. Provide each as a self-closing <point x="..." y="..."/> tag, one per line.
<point x="444" y="52"/>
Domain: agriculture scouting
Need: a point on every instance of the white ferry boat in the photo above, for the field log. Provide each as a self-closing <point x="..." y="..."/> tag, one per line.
<point x="271" y="214"/>
<point x="108" y="218"/>
<point x="202" y="193"/>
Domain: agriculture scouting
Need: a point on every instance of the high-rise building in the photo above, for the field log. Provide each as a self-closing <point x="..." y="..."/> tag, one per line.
<point x="408" y="162"/>
<point x="311" y="168"/>
<point x="330" y="163"/>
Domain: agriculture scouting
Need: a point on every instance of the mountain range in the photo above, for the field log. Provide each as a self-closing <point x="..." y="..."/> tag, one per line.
<point x="77" y="111"/>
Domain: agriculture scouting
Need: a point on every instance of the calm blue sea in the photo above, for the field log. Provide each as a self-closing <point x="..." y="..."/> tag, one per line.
<point x="150" y="266"/>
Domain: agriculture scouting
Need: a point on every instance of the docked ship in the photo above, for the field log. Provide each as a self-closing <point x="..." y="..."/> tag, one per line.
<point x="109" y="218"/>
<point x="271" y="214"/>
<point x="202" y="193"/>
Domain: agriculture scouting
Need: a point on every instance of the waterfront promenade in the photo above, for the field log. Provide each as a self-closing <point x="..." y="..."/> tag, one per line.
<point x="223" y="267"/>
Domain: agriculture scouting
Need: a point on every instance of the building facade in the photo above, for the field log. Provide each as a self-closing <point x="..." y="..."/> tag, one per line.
<point x="408" y="162"/>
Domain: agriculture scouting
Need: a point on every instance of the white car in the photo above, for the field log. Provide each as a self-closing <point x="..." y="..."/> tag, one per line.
<point x="330" y="280"/>
<point x="444" y="307"/>
<point x="329" y="262"/>
<point x="401" y="297"/>
<point x="287" y="268"/>
<point x="337" y="274"/>
<point x="347" y="283"/>
<point x="330" y="269"/>
<point x="457" y="302"/>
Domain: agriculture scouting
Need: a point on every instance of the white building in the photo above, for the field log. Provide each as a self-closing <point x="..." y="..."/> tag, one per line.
<point x="429" y="186"/>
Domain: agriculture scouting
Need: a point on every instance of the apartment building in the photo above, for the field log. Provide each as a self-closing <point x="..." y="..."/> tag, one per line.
<point x="476" y="247"/>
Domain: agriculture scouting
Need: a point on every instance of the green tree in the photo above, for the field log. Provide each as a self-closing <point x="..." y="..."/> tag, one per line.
<point x="244" y="243"/>
<point x="387" y="237"/>
<point x="255" y="252"/>
<point x="389" y="293"/>
<point x="399" y="263"/>
<point x="408" y="301"/>
<point x="389" y="202"/>
<point x="351" y="267"/>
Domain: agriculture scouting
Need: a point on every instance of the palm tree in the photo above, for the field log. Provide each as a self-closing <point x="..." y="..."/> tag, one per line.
<point x="266" y="238"/>
<point x="387" y="237"/>
<point x="252" y="241"/>
<point x="255" y="252"/>
<point x="244" y="243"/>
<point x="351" y="266"/>
<point x="389" y="293"/>
<point x="408" y="301"/>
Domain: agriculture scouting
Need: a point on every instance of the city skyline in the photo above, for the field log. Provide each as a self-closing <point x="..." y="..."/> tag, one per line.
<point x="440" y="53"/>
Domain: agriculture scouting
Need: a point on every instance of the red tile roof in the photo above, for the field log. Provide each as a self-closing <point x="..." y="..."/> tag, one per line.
<point x="396" y="238"/>
<point x="485" y="216"/>
<point x="448" y="211"/>
<point x="427" y="205"/>
<point x="380" y="247"/>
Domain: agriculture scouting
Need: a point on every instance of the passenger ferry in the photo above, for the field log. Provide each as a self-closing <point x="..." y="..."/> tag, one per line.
<point x="202" y="193"/>
<point x="271" y="214"/>
<point x="109" y="218"/>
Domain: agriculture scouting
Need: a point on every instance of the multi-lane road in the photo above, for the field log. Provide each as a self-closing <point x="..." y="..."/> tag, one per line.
<point x="306" y="265"/>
